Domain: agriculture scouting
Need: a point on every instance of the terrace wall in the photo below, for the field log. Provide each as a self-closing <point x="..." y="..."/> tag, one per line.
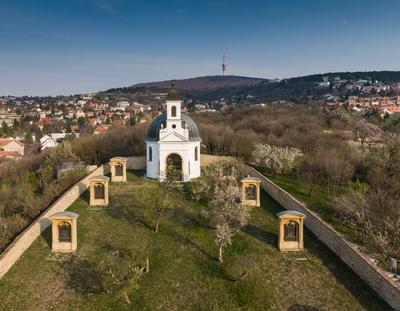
<point x="362" y="265"/>
<point x="377" y="278"/>
<point x="136" y="163"/>
<point x="22" y="242"/>
<point x="139" y="162"/>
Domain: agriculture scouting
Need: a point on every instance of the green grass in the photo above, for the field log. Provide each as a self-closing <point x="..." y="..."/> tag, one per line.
<point x="319" y="202"/>
<point x="184" y="272"/>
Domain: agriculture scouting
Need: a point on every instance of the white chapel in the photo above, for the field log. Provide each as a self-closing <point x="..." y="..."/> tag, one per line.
<point x="173" y="140"/>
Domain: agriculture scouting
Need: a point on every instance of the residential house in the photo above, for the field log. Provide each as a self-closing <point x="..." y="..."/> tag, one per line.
<point x="100" y="129"/>
<point x="10" y="144"/>
<point x="47" y="142"/>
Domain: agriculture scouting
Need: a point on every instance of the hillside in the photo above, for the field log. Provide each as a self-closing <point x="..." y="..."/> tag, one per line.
<point x="199" y="88"/>
<point x="206" y="83"/>
<point x="294" y="89"/>
<point x="184" y="271"/>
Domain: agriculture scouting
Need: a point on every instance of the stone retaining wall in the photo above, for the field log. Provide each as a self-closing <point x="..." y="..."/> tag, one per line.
<point x="22" y="242"/>
<point x="136" y="163"/>
<point x="388" y="289"/>
<point x="139" y="162"/>
<point x="367" y="270"/>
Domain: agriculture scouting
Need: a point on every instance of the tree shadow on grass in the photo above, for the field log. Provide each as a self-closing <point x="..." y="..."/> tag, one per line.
<point x="367" y="297"/>
<point x="216" y="269"/>
<point x="83" y="276"/>
<point x="188" y="219"/>
<point x="268" y="204"/>
<point x="86" y="196"/>
<point x="46" y="234"/>
<point x="137" y="173"/>
<point x="260" y="234"/>
<point x="187" y="241"/>
<point x="131" y="214"/>
<point x="297" y="307"/>
<point x="211" y="265"/>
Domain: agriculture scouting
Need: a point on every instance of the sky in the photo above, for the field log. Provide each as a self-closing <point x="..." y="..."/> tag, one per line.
<point x="62" y="47"/>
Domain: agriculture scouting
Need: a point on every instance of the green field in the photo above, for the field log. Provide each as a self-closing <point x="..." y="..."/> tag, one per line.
<point x="184" y="271"/>
<point x="320" y="202"/>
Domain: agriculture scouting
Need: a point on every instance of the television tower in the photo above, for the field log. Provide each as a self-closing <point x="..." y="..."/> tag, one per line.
<point x="223" y="65"/>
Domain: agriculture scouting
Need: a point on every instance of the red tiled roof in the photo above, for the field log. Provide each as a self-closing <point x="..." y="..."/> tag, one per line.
<point x="101" y="128"/>
<point x="393" y="108"/>
<point x="6" y="141"/>
<point x="9" y="154"/>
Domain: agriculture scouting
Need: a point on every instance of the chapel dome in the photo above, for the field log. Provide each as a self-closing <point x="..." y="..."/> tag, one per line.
<point x="155" y="126"/>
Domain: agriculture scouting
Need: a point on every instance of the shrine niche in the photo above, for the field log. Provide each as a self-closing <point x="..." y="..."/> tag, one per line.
<point x="291" y="232"/>
<point x="251" y="191"/>
<point x="99" y="191"/>
<point x="118" y="169"/>
<point x="64" y="231"/>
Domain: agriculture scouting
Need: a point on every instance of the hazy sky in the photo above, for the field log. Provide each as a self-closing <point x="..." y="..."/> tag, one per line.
<point x="73" y="46"/>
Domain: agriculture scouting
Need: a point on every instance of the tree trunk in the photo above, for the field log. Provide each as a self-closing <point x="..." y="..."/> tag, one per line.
<point x="220" y="253"/>
<point x="127" y="300"/>
<point x="157" y="221"/>
<point x="311" y="189"/>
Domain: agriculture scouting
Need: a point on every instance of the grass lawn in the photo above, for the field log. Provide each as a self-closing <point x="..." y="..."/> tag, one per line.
<point x="319" y="202"/>
<point x="184" y="271"/>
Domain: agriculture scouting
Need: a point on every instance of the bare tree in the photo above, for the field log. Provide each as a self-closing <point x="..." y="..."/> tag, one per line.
<point x="387" y="238"/>
<point x="366" y="132"/>
<point x="337" y="170"/>
<point x="159" y="199"/>
<point x="312" y="171"/>
<point x="354" y="209"/>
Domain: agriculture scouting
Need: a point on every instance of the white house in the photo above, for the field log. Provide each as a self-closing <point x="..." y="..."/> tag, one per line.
<point x="47" y="142"/>
<point x="173" y="140"/>
<point x="10" y="144"/>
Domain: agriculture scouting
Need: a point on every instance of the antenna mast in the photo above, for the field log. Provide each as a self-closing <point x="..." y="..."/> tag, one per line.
<point x="223" y="64"/>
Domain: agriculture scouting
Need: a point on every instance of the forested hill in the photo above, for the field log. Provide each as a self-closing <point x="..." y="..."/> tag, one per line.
<point x="383" y="76"/>
<point x="202" y="83"/>
<point x="295" y="89"/>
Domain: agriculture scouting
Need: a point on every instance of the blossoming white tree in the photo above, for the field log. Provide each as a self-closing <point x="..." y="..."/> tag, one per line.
<point x="220" y="189"/>
<point x="277" y="160"/>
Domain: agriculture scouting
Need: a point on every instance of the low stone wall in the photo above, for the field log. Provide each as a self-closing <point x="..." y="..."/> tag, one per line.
<point x="22" y="242"/>
<point x="207" y="159"/>
<point x="136" y="163"/>
<point x="388" y="289"/>
<point x="139" y="162"/>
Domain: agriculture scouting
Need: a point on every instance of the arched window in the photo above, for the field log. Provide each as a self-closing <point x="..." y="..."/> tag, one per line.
<point x="99" y="191"/>
<point x="173" y="111"/>
<point x="196" y="153"/>
<point x="291" y="231"/>
<point x="150" y="154"/>
<point x="64" y="232"/>
<point x="251" y="192"/>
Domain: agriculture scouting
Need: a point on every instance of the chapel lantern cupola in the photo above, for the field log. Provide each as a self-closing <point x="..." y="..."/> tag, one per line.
<point x="174" y="107"/>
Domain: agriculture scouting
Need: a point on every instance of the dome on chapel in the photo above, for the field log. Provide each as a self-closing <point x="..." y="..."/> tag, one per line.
<point x="155" y="126"/>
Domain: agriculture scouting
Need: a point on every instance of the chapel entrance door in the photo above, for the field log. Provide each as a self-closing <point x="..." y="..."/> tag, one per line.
<point x="174" y="167"/>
